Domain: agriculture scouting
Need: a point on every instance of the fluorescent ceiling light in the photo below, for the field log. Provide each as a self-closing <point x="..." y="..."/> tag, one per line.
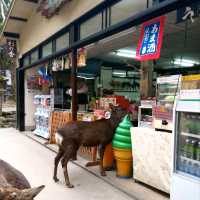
<point x="184" y="62"/>
<point x="126" y="53"/>
<point x="120" y="73"/>
<point x="87" y="78"/>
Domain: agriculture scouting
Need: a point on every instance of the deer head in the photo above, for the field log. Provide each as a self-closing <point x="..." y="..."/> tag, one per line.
<point x="117" y="114"/>
<point x="11" y="193"/>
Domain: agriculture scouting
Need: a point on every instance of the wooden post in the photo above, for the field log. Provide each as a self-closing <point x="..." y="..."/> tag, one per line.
<point x="146" y="81"/>
<point x="1" y="102"/>
<point x="74" y="85"/>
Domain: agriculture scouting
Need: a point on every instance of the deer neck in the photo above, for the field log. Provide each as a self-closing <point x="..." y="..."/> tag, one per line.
<point x="114" y="122"/>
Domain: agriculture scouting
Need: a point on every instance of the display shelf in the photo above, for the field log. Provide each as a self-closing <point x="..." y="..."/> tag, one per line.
<point x="41" y="115"/>
<point x="146" y="106"/>
<point x="115" y="90"/>
<point x="167" y="94"/>
<point x="190" y="160"/>
<point x="164" y="100"/>
<point x="126" y="77"/>
<point x="168" y="86"/>
<point x="190" y="135"/>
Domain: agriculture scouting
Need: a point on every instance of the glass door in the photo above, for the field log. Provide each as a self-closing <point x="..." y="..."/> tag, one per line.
<point x="188" y="143"/>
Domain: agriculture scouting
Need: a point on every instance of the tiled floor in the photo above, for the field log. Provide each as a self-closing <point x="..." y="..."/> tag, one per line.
<point x="36" y="163"/>
<point x="129" y="186"/>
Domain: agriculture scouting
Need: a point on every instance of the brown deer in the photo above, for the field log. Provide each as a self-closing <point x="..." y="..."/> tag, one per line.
<point x="14" y="185"/>
<point x="74" y="134"/>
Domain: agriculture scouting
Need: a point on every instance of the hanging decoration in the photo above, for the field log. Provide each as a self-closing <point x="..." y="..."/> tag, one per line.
<point x="68" y="61"/>
<point x="49" y="8"/>
<point x="65" y="62"/>
<point x="61" y="63"/>
<point x="11" y="48"/>
<point x="150" y="41"/>
<point x="81" y="57"/>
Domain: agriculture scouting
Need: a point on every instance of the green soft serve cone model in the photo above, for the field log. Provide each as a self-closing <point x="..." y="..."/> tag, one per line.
<point x="122" y="137"/>
<point x="122" y="149"/>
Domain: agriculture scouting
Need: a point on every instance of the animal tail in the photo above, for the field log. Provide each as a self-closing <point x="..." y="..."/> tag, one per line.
<point x="59" y="138"/>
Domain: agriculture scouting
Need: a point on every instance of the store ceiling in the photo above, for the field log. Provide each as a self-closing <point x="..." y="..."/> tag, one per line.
<point x="20" y="12"/>
<point x="178" y="43"/>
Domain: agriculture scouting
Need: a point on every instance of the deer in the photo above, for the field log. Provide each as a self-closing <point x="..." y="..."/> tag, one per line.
<point x="14" y="185"/>
<point x="89" y="134"/>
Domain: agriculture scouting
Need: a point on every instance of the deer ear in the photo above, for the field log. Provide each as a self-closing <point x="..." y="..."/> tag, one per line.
<point x="32" y="192"/>
<point x="112" y="107"/>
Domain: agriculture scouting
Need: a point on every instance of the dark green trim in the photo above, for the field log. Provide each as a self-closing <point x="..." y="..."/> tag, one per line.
<point x="20" y="99"/>
<point x="161" y="9"/>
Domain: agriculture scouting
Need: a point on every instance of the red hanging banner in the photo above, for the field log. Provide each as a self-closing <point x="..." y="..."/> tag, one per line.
<point x="150" y="41"/>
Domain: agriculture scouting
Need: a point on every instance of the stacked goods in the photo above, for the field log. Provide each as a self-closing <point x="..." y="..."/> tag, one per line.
<point x="114" y="100"/>
<point x="42" y="115"/>
<point x="122" y="148"/>
<point x="58" y="119"/>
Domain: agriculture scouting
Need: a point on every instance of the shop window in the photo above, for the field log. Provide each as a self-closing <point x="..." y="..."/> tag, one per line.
<point x="47" y="50"/>
<point x="91" y="26"/>
<point x="126" y="8"/>
<point x="26" y="61"/>
<point x="62" y="42"/>
<point x="34" y="56"/>
<point x="154" y="2"/>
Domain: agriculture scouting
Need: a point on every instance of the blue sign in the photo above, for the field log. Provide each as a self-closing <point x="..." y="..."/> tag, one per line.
<point x="150" y="41"/>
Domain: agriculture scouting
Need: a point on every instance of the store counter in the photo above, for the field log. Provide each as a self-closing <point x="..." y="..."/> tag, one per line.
<point x="152" y="157"/>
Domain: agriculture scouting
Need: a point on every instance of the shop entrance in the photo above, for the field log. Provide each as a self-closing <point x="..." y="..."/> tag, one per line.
<point x="110" y="73"/>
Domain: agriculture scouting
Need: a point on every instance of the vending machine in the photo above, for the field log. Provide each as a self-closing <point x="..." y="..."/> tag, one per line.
<point x="186" y="152"/>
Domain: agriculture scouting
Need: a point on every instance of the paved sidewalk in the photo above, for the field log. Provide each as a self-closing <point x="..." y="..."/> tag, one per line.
<point x="36" y="162"/>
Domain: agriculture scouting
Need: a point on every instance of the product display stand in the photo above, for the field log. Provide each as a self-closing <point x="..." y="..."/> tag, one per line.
<point x="42" y="115"/>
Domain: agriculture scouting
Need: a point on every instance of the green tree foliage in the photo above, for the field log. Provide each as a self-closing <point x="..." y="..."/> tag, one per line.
<point x="5" y="61"/>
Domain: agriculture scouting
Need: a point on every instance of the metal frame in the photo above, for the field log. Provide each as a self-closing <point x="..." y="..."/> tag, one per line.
<point x="75" y="42"/>
<point x="20" y="99"/>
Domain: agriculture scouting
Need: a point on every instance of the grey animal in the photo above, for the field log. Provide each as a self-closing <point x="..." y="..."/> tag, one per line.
<point x="14" y="185"/>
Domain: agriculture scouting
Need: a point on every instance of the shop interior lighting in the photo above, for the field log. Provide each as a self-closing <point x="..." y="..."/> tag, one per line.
<point x="126" y="53"/>
<point x="185" y="63"/>
<point x="86" y="77"/>
<point x="118" y="73"/>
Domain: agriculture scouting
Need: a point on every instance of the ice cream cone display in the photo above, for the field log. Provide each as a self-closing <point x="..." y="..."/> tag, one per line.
<point x="122" y="148"/>
<point x="108" y="158"/>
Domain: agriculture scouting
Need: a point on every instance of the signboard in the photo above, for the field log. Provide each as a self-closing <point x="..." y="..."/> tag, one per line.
<point x="11" y="48"/>
<point x="189" y="12"/>
<point x="150" y="41"/>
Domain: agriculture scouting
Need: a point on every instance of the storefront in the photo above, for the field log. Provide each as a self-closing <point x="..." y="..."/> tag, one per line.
<point x="92" y="62"/>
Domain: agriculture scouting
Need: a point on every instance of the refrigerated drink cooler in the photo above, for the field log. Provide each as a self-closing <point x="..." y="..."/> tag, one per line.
<point x="186" y="153"/>
<point x="166" y="92"/>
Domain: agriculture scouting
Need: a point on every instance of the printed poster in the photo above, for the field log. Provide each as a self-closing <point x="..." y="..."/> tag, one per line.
<point x="150" y="41"/>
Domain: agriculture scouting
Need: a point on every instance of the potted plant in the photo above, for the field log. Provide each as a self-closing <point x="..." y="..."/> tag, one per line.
<point x="2" y="81"/>
<point x="123" y="149"/>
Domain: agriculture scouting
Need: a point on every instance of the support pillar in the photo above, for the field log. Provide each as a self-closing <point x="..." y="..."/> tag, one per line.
<point x="74" y="85"/>
<point x="146" y="80"/>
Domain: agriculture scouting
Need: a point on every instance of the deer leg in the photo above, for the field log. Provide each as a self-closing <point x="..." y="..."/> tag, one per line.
<point x="101" y="153"/>
<point x="69" y="154"/>
<point x="56" y="162"/>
